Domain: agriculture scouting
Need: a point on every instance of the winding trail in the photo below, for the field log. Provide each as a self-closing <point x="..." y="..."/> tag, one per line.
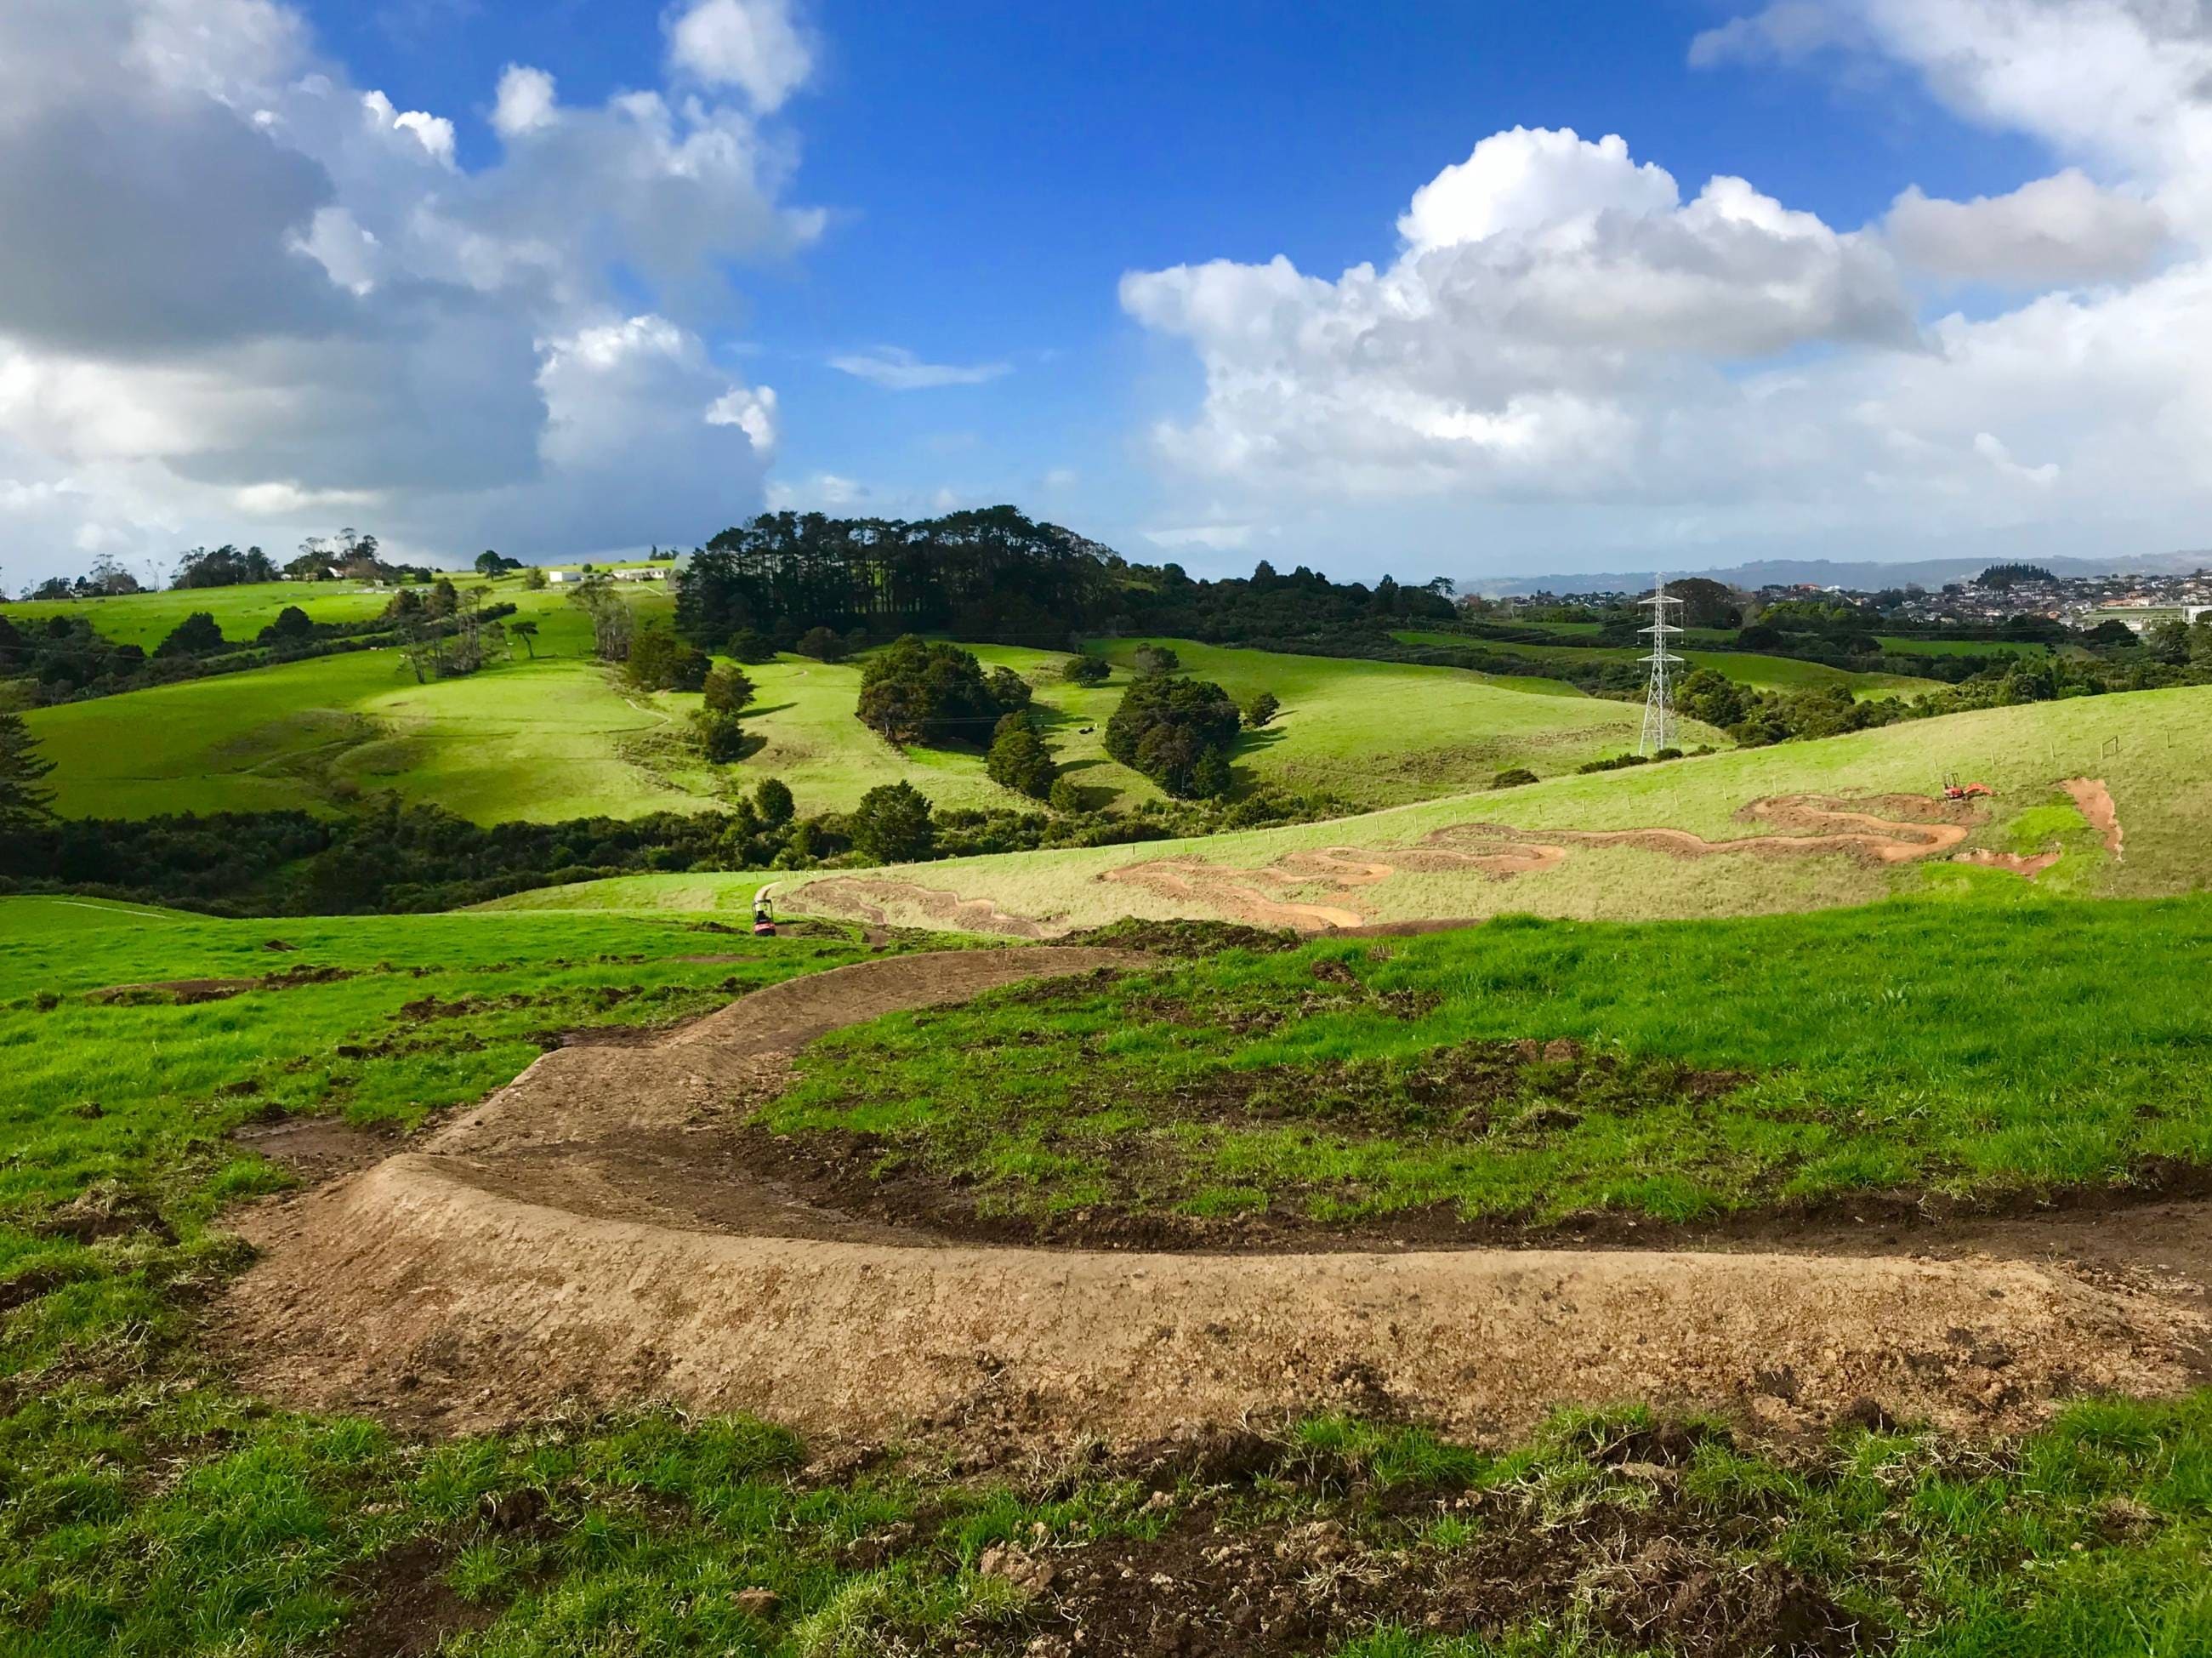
<point x="589" y="1234"/>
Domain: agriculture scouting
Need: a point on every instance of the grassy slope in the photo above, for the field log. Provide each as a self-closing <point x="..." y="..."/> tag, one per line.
<point x="146" y="1509"/>
<point x="2159" y="774"/>
<point x="1763" y="673"/>
<point x="1919" y="1046"/>
<point x="559" y="737"/>
<point x="1381" y="733"/>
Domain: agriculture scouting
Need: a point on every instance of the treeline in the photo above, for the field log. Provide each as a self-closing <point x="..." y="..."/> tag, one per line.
<point x="995" y="574"/>
<point x="391" y="858"/>
<point x="1756" y="718"/>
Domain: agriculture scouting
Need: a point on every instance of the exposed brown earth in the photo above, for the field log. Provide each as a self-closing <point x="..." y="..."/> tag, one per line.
<point x="2095" y="802"/>
<point x="862" y="898"/>
<point x="594" y="1233"/>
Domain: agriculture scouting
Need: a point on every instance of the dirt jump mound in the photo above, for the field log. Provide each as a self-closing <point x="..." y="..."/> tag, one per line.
<point x="590" y="1234"/>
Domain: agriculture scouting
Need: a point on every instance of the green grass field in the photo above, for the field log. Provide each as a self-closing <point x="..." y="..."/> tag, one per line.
<point x="1381" y="733"/>
<point x="2153" y="748"/>
<point x="148" y="1509"/>
<point x="1711" y="1066"/>
<point x="558" y="735"/>
<point x="1761" y="671"/>
<point x="146" y="618"/>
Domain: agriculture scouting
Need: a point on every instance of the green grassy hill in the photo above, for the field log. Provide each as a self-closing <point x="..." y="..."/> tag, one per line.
<point x="560" y="736"/>
<point x="2153" y="749"/>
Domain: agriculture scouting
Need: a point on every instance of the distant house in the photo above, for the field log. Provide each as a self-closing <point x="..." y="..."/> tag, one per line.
<point x="650" y="573"/>
<point x="561" y="578"/>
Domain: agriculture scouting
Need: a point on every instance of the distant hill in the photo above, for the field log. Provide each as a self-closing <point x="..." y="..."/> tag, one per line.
<point x="1865" y="577"/>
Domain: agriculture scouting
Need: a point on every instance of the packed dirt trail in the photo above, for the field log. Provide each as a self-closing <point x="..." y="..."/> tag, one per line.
<point x="592" y="1236"/>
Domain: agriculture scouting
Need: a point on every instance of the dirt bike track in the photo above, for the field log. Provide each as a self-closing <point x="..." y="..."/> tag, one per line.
<point x="590" y="1235"/>
<point x="1316" y="889"/>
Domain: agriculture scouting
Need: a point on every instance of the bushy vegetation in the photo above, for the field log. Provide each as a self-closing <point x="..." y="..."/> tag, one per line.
<point x="920" y="691"/>
<point x="1018" y="759"/>
<point x="1178" y="732"/>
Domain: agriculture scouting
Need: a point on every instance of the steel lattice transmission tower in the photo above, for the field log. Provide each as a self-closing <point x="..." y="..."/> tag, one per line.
<point x="1659" y="696"/>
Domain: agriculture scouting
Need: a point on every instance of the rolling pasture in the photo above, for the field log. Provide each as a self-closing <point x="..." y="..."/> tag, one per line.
<point x="2153" y="750"/>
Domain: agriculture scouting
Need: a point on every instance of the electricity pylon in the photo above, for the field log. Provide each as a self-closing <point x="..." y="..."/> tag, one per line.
<point x="1659" y="696"/>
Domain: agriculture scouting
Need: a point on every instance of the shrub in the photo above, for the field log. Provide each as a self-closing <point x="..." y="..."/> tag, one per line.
<point x="1261" y="710"/>
<point x="1178" y="732"/>
<point x="1514" y="778"/>
<point x="534" y="579"/>
<point x="773" y="800"/>
<point x="1157" y="659"/>
<point x="728" y="689"/>
<point x="721" y="734"/>
<point x="750" y="644"/>
<point x="1086" y="670"/>
<point x="291" y="624"/>
<point x="1065" y="795"/>
<point x="1019" y="760"/>
<point x="891" y="825"/>
<point x="658" y="661"/>
<point x="195" y="636"/>
<point x="822" y="645"/>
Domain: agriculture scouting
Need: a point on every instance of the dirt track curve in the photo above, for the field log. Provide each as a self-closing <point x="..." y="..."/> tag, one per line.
<point x="589" y="1234"/>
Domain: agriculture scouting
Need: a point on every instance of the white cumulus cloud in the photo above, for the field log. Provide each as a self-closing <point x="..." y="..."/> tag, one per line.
<point x="237" y="284"/>
<point x="752" y="45"/>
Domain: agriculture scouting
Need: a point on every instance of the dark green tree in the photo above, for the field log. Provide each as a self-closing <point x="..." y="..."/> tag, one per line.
<point x="1259" y="709"/>
<point x="892" y="825"/>
<point x="23" y="768"/>
<point x="1019" y="760"/>
<point x="1158" y="659"/>
<point x="916" y="691"/>
<point x="1086" y="669"/>
<point x="719" y="733"/>
<point x="728" y="688"/>
<point x="773" y="800"/>
<point x="1178" y="732"/>
<point x="195" y="636"/>
<point x="750" y="645"/>
<point x="823" y="644"/>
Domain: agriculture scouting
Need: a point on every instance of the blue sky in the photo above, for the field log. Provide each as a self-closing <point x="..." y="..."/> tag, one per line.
<point x="976" y="181"/>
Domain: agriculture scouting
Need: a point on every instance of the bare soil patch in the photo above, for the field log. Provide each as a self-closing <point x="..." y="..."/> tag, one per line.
<point x="2095" y="802"/>
<point x="863" y="897"/>
<point x="1233" y="1574"/>
<point x="538" y="1252"/>
<point x="189" y="990"/>
<point x="1314" y="889"/>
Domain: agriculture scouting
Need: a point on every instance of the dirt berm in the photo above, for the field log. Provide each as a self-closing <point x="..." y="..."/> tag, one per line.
<point x="546" y="1249"/>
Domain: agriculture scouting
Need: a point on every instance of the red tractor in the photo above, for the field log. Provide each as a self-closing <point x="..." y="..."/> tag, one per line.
<point x="1954" y="789"/>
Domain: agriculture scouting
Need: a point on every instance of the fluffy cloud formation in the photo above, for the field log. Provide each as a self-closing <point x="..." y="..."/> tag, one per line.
<point x="240" y="295"/>
<point x="1561" y="331"/>
<point x="1551" y="293"/>
<point x="2053" y="231"/>
<point x="752" y="45"/>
